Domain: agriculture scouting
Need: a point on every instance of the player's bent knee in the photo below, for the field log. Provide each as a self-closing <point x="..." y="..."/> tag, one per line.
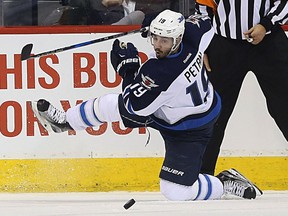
<point x="177" y="192"/>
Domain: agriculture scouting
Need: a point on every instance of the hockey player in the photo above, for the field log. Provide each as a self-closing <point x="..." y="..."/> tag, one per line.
<point x="169" y="92"/>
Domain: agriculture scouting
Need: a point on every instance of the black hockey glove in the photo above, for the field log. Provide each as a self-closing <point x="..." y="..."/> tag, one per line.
<point x="124" y="58"/>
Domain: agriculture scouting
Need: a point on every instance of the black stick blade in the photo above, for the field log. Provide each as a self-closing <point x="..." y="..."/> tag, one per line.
<point x="26" y="52"/>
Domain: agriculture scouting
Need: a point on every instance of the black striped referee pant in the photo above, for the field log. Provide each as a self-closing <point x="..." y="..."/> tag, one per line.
<point x="230" y="61"/>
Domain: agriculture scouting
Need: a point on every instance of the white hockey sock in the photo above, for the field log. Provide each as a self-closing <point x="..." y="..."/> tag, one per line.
<point x="210" y="187"/>
<point x="94" y="112"/>
<point x="207" y="187"/>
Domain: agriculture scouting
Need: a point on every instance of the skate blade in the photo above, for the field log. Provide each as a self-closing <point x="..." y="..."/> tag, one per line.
<point x="258" y="191"/>
<point x="42" y="120"/>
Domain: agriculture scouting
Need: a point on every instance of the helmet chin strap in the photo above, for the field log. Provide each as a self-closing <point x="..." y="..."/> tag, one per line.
<point x="175" y="45"/>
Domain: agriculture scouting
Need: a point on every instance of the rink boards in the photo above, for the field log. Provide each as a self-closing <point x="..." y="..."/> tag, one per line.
<point x="122" y="174"/>
<point x="109" y="158"/>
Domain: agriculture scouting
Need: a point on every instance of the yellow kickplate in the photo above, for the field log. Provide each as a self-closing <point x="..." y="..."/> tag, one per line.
<point x="123" y="174"/>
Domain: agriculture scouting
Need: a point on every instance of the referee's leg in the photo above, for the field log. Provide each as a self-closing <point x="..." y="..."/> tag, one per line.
<point x="272" y="74"/>
<point x="227" y="60"/>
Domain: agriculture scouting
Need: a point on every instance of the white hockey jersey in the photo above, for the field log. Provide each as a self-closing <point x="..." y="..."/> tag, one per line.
<point x="175" y="91"/>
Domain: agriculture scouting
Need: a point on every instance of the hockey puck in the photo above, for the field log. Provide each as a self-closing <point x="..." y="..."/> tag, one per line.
<point x="129" y="203"/>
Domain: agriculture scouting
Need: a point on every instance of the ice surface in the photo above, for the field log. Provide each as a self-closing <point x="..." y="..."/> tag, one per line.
<point x="147" y="203"/>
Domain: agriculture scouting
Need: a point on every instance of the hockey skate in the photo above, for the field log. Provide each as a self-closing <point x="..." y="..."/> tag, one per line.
<point x="51" y="118"/>
<point x="236" y="184"/>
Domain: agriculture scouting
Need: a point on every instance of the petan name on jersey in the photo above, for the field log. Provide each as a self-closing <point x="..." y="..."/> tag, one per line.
<point x="194" y="68"/>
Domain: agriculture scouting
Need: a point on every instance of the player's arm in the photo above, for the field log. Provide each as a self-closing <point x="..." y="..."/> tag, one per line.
<point x="143" y="96"/>
<point x="198" y="31"/>
<point x="138" y="89"/>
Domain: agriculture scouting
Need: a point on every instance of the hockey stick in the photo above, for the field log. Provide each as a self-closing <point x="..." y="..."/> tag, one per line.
<point x="26" y="50"/>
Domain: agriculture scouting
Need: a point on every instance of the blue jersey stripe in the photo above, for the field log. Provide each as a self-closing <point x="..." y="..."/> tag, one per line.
<point x="194" y="123"/>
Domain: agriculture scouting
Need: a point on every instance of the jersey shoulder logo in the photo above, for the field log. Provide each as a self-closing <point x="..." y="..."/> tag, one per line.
<point x="196" y="18"/>
<point x="147" y="82"/>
